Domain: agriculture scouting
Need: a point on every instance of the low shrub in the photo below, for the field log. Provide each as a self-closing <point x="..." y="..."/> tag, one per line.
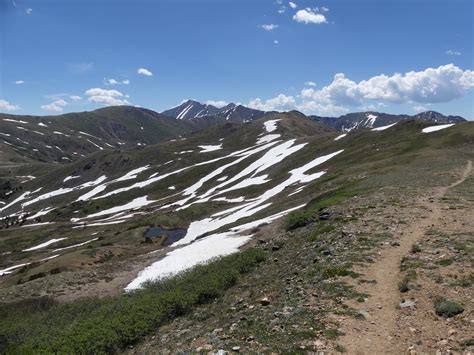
<point x="298" y="219"/>
<point x="106" y="325"/>
<point x="447" y="308"/>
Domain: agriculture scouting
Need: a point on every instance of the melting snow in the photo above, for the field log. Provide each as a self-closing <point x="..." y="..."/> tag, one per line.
<point x="383" y="128"/>
<point x="436" y="128"/>
<point x="133" y="174"/>
<point x="67" y="178"/>
<point x="181" y="259"/>
<point x="210" y="148"/>
<point x="232" y="215"/>
<point x="75" y="245"/>
<point x="267" y="138"/>
<point x="341" y="136"/>
<point x="136" y="203"/>
<point x="45" y="244"/>
<point x="16" y="121"/>
<point x="270" y="125"/>
<point x="10" y="269"/>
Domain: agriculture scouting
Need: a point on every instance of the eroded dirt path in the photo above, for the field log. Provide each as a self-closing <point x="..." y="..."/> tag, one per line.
<point x="379" y="332"/>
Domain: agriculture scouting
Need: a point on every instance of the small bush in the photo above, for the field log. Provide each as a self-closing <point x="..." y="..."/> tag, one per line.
<point x="445" y="262"/>
<point x="447" y="308"/>
<point x="298" y="219"/>
<point x="335" y="271"/>
<point x="415" y="248"/>
<point x="404" y="285"/>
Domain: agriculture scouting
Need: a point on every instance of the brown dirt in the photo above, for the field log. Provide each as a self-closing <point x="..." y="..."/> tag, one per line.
<point x="387" y="328"/>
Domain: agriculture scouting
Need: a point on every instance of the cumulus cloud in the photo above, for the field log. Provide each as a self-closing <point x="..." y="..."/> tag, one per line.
<point x="56" y="106"/>
<point x="6" y="106"/>
<point x="106" y="97"/>
<point x="19" y="82"/>
<point x="143" y="71"/>
<point x="29" y="11"/>
<point x="269" y="27"/>
<point x="275" y="41"/>
<point x="281" y="102"/>
<point x="432" y="85"/>
<point x="75" y="98"/>
<point x="292" y="5"/>
<point x="218" y="103"/>
<point x="419" y="88"/>
<point x="310" y="83"/>
<point x="309" y="16"/>
<point x="116" y="82"/>
<point x="452" y="52"/>
<point x="324" y="9"/>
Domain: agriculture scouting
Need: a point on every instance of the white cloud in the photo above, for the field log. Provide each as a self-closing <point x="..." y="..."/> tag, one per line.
<point x="19" y="82"/>
<point x="419" y="108"/>
<point x="308" y="16"/>
<point x="29" y="11"/>
<point x="116" y="82"/>
<point x="56" y="106"/>
<point x="281" y="102"/>
<point x="218" y="103"/>
<point x="275" y="41"/>
<point x="75" y="98"/>
<point x="310" y="83"/>
<point x="453" y="52"/>
<point x="324" y="9"/>
<point x="282" y="10"/>
<point x="106" y="97"/>
<point x="429" y="86"/>
<point x="269" y="27"/>
<point x="6" y="106"/>
<point x="292" y="5"/>
<point x="144" y="71"/>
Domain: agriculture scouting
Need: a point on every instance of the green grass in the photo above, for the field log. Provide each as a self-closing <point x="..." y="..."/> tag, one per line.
<point x="303" y="217"/>
<point x="37" y="326"/>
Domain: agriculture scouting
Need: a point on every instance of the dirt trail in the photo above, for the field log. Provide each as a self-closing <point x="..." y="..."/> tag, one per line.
<point x="377" y="334"/>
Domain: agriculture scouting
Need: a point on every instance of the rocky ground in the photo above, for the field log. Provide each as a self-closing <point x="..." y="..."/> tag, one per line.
<point x="336" y="285"/>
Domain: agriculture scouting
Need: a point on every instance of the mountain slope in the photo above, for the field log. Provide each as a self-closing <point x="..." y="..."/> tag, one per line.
<point x="191" y="110"/>
<point x="70" y="136"/>
<point x="117" y="219"/>
<point x="371" y="119"/>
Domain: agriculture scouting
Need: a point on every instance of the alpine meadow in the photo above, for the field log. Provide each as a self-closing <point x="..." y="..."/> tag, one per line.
<point x="222" y="177"/>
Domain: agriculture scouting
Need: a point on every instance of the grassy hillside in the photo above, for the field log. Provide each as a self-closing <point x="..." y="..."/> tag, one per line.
<point x="202" y="184"/>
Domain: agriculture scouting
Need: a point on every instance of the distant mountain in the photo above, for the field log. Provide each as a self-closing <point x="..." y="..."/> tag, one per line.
<point x="371" y="119"/>
<point x="67" y="137"/>
<point x="191" y="110"/>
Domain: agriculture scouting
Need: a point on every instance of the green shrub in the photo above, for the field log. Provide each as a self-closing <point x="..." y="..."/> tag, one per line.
<point x="415" y="248"/>
<point x="106" y="325"/>
<point x="447" y="308"/>
<point x="298" y="219"/>
<point x="404" y="285"/>
<point x="335" y="271"/>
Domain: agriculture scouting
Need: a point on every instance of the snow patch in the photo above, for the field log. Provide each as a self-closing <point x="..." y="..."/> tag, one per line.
<point x="436" y="128"/>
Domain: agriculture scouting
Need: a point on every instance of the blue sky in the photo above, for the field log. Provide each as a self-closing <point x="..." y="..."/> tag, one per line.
<point x="323" y="57"/>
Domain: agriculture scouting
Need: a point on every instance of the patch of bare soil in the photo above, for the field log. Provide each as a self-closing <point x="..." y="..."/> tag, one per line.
<point x="395" y="322"/>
